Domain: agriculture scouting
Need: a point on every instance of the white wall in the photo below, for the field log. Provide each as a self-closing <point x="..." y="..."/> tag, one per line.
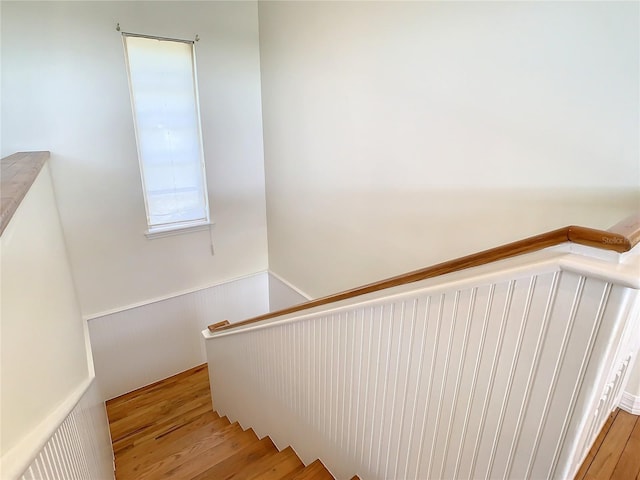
<point x="634" y="381"/>
<point x="282" y="294"/>
<point x="43" y="358"/>
<point x="64" y="89"/>
<point x="141" y="345"/>
<point x="401" y="134"/>
<point x="145" y="344"/>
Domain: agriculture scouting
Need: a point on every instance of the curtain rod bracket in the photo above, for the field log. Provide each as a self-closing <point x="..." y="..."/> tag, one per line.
<point x="117" y="27"/>
<point x="197" y="38"/>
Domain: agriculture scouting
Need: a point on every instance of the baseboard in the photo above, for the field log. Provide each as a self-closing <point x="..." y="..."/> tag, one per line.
<point x="630" y="403"/>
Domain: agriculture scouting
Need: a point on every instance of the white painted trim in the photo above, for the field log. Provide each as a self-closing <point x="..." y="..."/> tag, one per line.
<point x="621" y="274"/>
<point x="547" y="260"/>
<point x="290" y="285"/>
<point x="93" y="316"/>
<point x="160" y="232"/>
<point x="630" y="403"/>
<point x="17" y="459"/>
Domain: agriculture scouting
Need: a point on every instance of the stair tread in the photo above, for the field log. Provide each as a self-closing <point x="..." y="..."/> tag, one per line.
<point x="196" y="458"/>
<point x="168" y="431"/>
<point x="227" y="468"/>
<point x="202" y="425"/>
<point x="120" y="409"/>
<point x="137" y="414"/>
<point x="154" y="450"/>
<point x="272" y="467"/>
<point x="314" y="471"/>
<point x="182" y="415"/>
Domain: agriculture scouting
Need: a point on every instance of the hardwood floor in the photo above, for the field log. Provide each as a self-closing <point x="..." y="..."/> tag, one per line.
<point x="167" y="430"/>
<point x="615" y="454"/>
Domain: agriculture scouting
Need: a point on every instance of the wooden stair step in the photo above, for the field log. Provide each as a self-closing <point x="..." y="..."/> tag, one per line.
<point x="168" y="431"/>
<point x="272" y="467"/>
<point x="151" y="451"/>
<point x="197" y="457"/>
<point x="122" y="407"/>
<point x="151" y="428"/>
<point x="135" y="411"/>
<point x="201" y="426"/>
<point x="195" y="376"/>
<point x="314" y="471"/>
<point x="148" y="455"/>
<point x="227" y="468"/>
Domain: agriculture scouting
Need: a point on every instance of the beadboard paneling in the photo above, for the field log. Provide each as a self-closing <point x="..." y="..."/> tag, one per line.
<point x="503" y="378"/>
<point x="80" y="447"/>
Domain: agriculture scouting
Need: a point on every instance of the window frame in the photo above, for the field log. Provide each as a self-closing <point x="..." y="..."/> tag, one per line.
<point x="182" y="226"/>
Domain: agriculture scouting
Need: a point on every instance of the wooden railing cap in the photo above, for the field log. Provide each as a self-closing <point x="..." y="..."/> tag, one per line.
<point x="622" y="237"/>
<point x="17" y="174"/>
<point x="218" y="325"/>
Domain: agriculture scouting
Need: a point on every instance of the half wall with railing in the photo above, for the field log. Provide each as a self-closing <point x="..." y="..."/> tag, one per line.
<point x="53" y="419"/>
<point x="503" y="364"/>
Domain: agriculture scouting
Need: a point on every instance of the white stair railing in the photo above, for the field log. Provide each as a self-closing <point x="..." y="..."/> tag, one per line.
<point x="506" y="370"/>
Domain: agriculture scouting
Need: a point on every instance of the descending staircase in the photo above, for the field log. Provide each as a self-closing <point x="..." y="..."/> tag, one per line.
<point x="168" y="430"/>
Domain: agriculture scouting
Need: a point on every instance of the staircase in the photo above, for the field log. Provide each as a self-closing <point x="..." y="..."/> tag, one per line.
<point x="168" y="430"/>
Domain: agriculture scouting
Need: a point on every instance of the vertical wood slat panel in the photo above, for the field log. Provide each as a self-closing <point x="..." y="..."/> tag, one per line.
<point x="599" y="323"/>
<point x="428" y="385"/>
<point x="73" y="451"/>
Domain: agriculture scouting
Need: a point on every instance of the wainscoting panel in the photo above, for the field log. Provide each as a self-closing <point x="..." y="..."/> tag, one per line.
<point x="487" y="379"/>
<point x="142" y="345"/>
<point x="283" y="293"/>
<point x="80" y="448"/>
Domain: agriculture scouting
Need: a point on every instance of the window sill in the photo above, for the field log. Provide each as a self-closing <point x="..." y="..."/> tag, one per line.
<point x="176" y="230"/>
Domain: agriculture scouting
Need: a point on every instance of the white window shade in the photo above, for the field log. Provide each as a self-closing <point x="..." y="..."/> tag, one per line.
<point x="165" y="106"/>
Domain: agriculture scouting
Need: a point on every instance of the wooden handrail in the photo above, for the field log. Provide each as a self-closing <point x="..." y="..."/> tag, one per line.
<point x="622" y="237"/>
<point x="18" y="172"/>
<point x="221" y="324"/>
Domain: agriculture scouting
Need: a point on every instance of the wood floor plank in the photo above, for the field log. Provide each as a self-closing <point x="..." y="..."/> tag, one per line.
<point x="154" y="450"/>
<point x="141" y="416"/>
<point x="610" y="451"/>
<point x="629" y="464"/>
<point x="164" y="414"/>
<point x="203" y="425"/>
<point x="314" y="471"/>
<point x="596" y="446"/>
<point x="154" y="429"/>
<point x="226" y="469"/>
<point x="275" y="467"/>
<point x="195" y="457"/>
<point x="122" y="405"/>
<point x="136" y="414"/>
<point x="160" y="455"/>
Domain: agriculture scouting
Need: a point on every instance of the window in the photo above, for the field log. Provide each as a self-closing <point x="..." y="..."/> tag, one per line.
<point x="164" y="97"/>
